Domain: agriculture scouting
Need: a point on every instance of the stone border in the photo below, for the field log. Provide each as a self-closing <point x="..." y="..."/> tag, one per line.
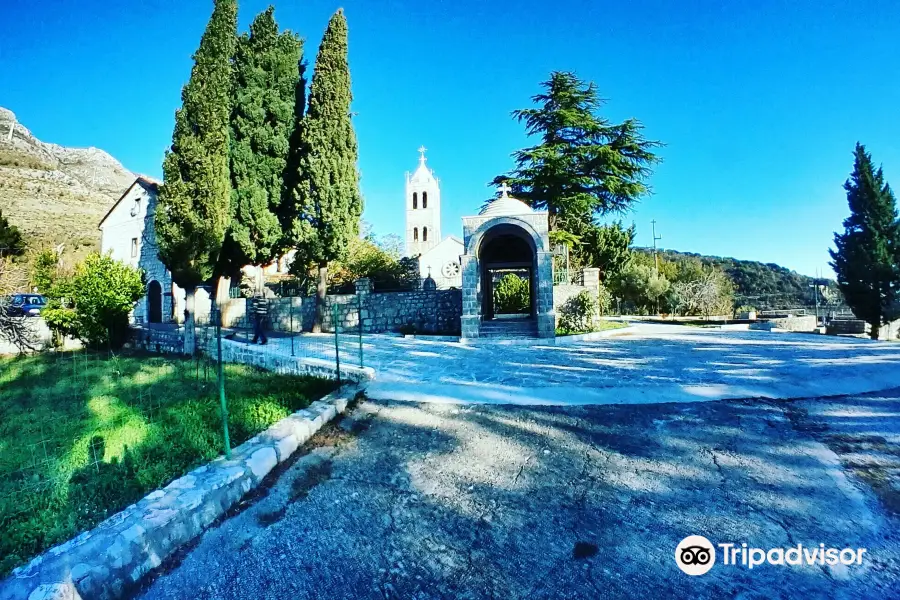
<point x="263" y="358"/>
<point x="105" y="562"/>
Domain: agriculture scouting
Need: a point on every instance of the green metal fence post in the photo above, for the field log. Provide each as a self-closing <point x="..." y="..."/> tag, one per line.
<point x="337" y="350"/>
<point x="221" y="377"/>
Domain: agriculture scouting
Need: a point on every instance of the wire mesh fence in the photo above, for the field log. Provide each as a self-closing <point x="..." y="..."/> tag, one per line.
<point x="84" y="434"/>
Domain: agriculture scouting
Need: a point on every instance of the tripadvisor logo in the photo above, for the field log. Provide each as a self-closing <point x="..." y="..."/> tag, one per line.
<point x="696" y="555"/>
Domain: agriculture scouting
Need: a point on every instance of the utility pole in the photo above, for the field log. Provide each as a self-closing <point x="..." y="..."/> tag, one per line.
<point x="656" y="258"/>
<point x="655" y="238"/>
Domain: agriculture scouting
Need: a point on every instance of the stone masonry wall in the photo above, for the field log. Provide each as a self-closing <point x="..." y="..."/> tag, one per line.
<point x="436" y="311"/>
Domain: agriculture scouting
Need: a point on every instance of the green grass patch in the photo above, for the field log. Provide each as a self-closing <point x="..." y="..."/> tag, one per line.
<point x="83" y="435"/>
<point x="600" y="326"/>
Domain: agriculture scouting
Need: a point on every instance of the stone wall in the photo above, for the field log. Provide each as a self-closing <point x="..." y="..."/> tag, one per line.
<point x="435" y="312"/>
<point x="161" y="341"/>
<point x="846" y="326"/>
<point x="800" y="323"/>
<point x="283" y="364"/>
<point x="563" y="292"/>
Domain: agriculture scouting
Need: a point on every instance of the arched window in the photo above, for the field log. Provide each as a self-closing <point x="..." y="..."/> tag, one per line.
<point x="415" y="200"/>
<point x="415" y="234"/>
<point x="424" y="199"/>
<point x="424" y="230"/>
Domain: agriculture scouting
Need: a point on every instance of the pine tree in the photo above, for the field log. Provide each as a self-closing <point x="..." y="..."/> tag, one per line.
<point x="266" y="82"/>
<point x="868" y="252"/>
<point x="324" y="207"/>
<point x="584" y="165"/>
<point x="192" y="214"/>
<point x="11" y="241"/>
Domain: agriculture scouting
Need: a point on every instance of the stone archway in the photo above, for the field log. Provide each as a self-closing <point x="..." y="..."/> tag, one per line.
<point x="506" y="250"/>
<point x="516" y="240"/>
<point x="154" y="302"/>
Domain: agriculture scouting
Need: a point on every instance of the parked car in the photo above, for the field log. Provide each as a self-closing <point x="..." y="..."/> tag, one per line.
<point x="26" y="305"/>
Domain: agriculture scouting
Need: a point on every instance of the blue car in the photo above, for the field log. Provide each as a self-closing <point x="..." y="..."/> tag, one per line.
<point x="26" y="305"/>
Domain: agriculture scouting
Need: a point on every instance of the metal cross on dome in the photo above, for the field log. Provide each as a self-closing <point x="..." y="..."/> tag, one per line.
<point x="504" y="190"/>
<point x="422" y="150"/>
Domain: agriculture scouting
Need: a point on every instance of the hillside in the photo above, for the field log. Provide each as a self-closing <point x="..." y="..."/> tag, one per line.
<point x="763" y="285"/>
<point x="56" y="195"/>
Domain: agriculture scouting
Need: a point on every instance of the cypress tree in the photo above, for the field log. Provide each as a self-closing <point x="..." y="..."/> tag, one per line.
<point x="193" y="210"/>
<point x="266" y="81"/>
<point x="325" y="205"/>
<point x="867" y="253"/>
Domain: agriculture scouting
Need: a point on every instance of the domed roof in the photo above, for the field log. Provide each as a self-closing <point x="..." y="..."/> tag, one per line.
<point x="505" y="206"/>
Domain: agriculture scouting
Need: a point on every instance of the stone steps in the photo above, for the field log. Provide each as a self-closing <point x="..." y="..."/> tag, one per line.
<point x="509" y="329"/>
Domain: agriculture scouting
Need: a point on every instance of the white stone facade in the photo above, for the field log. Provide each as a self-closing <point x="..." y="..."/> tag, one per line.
<point x="442" y="264"/>
<point x="127" y="232"/>
<point x="423" y="209"/>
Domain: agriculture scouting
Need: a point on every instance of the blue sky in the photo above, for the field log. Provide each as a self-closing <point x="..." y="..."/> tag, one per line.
<point x="759" y="104"/>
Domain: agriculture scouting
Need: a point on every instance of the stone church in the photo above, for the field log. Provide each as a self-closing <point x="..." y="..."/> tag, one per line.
<point x="438" y="257"/>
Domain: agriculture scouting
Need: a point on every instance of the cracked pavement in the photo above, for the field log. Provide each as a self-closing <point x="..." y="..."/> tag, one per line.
<point x="430" y="501"/>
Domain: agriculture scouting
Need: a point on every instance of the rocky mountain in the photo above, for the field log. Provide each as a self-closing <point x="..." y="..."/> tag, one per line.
<point x="56" y="195"/>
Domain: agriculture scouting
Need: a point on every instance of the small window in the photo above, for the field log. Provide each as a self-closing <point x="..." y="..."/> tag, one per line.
<point x="415" y="200"/>
<point x="415" y="234"/>
<point x="424" y="231"/>
<point x="134" y="247"/>
<point x="424" y="199"/>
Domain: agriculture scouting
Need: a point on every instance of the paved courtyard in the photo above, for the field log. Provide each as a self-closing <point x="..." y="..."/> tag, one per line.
<point x="429" y="501"/>
<point x="654" y="363"/>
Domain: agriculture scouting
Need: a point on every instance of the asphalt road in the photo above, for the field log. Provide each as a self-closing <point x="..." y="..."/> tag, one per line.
<point x="446" y="501"/>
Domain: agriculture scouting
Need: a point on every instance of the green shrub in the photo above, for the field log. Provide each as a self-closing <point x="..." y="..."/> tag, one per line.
<point x="512" y="295"/>
<point x="93" y="304"/>
<point x="604" y="299"/>
<point x="578" y="314"/>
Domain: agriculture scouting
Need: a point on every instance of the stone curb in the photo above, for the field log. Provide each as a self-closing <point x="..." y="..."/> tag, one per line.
<point x="106" y="561"/>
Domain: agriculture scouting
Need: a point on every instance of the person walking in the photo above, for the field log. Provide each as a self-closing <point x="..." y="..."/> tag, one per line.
<point x="260" y="309"/>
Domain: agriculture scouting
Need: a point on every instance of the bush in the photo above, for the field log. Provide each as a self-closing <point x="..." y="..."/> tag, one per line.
<point x="93" y="304"/>
<point x="604" y="299"/>
<point x="578" y="314"/>
<point x="511" y="295"/>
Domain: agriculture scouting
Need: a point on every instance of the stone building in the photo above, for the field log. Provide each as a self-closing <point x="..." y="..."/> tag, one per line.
<point x="127" y="232"/>
<point x="438" y="257"/>
<point x="508" y="236"/>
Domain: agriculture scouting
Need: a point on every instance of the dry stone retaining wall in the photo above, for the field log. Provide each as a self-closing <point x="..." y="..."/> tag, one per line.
<point x="435" y="312"/>
<point x="106" y="562"/>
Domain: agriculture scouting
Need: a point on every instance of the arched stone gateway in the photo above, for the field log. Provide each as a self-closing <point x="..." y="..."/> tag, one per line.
<point x="154" y="302"/>
<point x="507" y="237"/>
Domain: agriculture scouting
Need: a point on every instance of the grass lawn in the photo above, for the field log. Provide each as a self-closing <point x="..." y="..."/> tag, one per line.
<point x="602" y="325"/>
<point x="83" y="435"/>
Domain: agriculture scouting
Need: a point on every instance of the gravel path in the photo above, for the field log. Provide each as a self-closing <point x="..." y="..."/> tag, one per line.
<point x="447" y="501"/>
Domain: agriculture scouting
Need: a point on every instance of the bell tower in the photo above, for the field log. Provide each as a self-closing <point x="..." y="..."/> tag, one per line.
<point x="423" y="209"/>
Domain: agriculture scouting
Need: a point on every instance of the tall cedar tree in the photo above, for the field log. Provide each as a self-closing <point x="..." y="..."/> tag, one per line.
<point x="584" y="165"/>
<point x="268" y="75"/>
<point x="193" y="210"/>
<point x="324" y="207"/>
<point x="868" y="252"/>
<point x="11" y="241"/>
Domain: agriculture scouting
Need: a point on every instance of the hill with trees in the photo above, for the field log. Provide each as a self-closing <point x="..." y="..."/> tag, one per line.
<point x="762" y="285"/>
